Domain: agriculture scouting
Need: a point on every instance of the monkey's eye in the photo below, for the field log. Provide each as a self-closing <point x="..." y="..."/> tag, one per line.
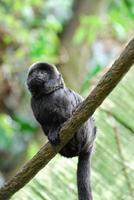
<point x="41" y="72"/>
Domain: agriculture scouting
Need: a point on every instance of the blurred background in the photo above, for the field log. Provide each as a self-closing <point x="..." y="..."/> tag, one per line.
<point x="82" y="38"/>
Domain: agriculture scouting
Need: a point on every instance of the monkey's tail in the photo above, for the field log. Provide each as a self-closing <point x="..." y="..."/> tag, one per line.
<point x="83" y="177"/>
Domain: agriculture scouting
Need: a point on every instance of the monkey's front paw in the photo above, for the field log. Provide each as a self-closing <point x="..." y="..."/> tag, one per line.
<point x="54" y="139"/>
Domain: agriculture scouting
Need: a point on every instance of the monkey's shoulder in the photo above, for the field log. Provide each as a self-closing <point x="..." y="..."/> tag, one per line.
<point x="63" y="98"/>
<point x="42" y="110"/>
<point x="74" y="97"/>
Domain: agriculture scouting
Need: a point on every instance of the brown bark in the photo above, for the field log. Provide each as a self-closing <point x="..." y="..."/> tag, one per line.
<point x="85" y="110"/>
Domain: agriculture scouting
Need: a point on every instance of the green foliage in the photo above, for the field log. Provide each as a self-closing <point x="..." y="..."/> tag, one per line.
<point x="6" y="131"/>
<point x="125" y="7"/>
<point x="25" y="125"/>
<point x="87" y="81"/>
<point x="45" y="45"/>
<point x="118" y="20"/>
<point x="9" y="128"/>
<point x="88" y="29"/>
<point x="38" y="32"/>
<point x="121" y="22"/>
<point x="116" y="23"/>
<point x="15" y="135"/>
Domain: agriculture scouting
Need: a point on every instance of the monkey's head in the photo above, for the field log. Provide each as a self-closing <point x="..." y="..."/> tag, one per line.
<point x="43" y="78"/>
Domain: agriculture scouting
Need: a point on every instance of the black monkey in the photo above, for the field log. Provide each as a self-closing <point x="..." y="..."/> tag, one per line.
<point x="52" y="104"/>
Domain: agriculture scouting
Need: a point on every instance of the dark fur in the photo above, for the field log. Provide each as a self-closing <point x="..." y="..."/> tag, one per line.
<point x="52" y="104"/>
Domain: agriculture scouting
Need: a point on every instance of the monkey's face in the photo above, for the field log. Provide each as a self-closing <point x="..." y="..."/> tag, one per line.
<point x="42" y="77"/>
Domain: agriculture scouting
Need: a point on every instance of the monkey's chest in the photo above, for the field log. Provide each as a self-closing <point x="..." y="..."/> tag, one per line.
<point x="46" y="114"/>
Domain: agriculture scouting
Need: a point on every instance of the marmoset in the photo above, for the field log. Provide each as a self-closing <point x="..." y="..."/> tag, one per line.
<point x="52" y="104"/>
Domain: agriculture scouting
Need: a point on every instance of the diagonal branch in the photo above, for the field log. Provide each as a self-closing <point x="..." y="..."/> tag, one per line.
<point x="85" y="110"/>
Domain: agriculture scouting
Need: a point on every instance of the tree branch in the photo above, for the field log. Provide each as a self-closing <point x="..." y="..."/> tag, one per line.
<point x="85" y="110"/>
